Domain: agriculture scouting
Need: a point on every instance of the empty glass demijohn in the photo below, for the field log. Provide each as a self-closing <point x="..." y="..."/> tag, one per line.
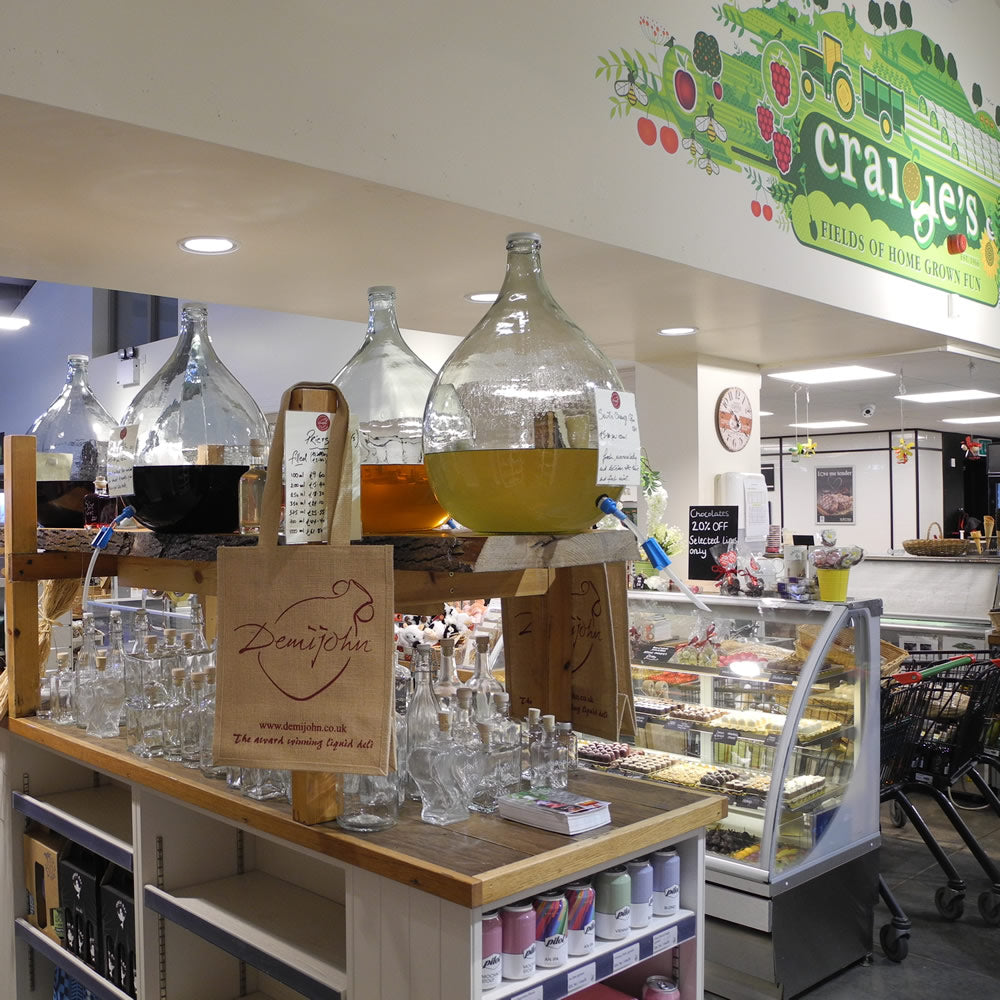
<point x="386" y="387"/>
<point x="510" y="429"/>
<point x="72" y="443"/>
<point x="197" y="430"/>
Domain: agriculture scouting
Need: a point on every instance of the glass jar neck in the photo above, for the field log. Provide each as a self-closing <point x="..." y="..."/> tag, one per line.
<point x="524" y="267"/>
<point x="76" y="371"/>
<point x="382" y="325"/>
<point x="193" y="339"/>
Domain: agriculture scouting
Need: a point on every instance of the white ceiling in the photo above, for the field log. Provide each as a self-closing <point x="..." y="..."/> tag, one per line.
<point x="95" y="202"/>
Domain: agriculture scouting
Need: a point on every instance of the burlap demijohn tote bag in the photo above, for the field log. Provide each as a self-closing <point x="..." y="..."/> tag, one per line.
<point x="305" y="678"/>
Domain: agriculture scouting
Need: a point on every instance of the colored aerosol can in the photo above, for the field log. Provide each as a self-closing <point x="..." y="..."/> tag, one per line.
<point x="641" y="874"/>
<point x="580" y="899"/>
<point x="551" y="941"/>
<point x="660" y="988"/>
<point x="492" y="951"/>
<point x="613" y="904"/>
<point x="518" y="928"/>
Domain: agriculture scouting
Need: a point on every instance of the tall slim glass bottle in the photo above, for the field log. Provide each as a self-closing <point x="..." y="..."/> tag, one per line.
<point x="72" y="445"/>
<point x="483" y="684"/>
<point x="386" y="387"/>
<point x="422" y="711"/>
<point x="86" y="672"/>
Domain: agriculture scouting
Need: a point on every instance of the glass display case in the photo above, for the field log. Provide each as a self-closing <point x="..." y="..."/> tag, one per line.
<point x="775" y="705"/>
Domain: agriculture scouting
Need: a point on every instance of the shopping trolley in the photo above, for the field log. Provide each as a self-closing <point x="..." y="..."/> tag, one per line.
<point x="938" y="717"/>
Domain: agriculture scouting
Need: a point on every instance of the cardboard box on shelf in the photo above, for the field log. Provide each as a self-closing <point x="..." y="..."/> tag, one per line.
<point x="80" y="874"/>
<point x="41" y="880"/>
<point x="118" y="928"/>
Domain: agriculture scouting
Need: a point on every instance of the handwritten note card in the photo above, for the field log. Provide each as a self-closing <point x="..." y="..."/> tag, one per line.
<point x="617" y="437"/>
<point x="307" y="440"/>
<point x="121" y="459"/>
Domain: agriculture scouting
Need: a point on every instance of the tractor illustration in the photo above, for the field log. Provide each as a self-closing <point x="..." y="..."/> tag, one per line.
<point x="883" y="103"/>
<point x="827" y="69"/>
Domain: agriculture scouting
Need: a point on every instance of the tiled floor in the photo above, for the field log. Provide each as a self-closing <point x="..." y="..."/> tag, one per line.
<point x="959" y="960"/>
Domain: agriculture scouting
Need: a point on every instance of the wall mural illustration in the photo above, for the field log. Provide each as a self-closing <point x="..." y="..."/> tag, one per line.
<point x="863" y="143"/>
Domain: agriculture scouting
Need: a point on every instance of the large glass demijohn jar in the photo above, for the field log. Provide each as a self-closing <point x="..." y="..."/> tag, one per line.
<point x="510" y="430"/>
<point x="72" y="444"/>
<point x="386" y="387"/>
<point x="197" y="430"/>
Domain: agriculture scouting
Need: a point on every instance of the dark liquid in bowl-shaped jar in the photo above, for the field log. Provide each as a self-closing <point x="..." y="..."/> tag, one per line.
<point x="188" y="499"/>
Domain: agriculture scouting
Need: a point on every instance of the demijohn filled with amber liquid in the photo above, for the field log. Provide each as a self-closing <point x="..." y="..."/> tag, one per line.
<point x="386" y="388"/>
<point x="510" y="429"/>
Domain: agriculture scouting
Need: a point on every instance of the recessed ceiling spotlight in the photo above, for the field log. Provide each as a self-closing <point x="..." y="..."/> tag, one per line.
<point x="843" y="373"/>
<point x="819" y="425"/>
<point x="487" y="297"/>
<point x="952" y="396"/>
<point x="13" y="323"/>
<point x="211" y="245"/>
<point x="677" y="331"/>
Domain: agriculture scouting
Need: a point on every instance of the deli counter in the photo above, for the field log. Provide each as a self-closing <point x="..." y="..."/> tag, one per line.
<point x="774" y="704"/>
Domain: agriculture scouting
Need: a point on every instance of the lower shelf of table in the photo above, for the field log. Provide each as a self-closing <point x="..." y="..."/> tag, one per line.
<point x="607" y="958"/>
<point x="67" y="961"/>
<point x="292" y="935"/>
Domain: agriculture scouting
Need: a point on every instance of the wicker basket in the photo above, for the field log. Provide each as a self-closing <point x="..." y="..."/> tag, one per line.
<point x="841" y="650"/>
<point x="935" y="546"/>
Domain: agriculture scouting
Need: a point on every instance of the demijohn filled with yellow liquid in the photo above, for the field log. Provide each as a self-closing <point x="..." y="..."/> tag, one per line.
<point x="510" y="430"/>
<point x="386" y="387"/>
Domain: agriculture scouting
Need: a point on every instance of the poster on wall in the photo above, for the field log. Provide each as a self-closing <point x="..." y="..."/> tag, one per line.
<point x="855" y="131"/>
<point x="835" y="495"/>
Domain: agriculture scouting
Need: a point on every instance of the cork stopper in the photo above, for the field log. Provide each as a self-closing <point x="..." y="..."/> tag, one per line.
<point x="501" y="699"/>
<point x="549" y="722"/>
<point x="62" y="660"/>
<point x="102" y="659"/>
<point x="170" y="634"/>
<point x="188" y="639"/>
<point x="209" y="675"/>
<point x="115" y="616"/>
<point x="485" y="732"/>
<point x="150" y="644"/>
<point x="482" y="642"/>
<point x="464" y="695"/>
<point x="197" y="679"/>
<point x="566" y="727"/>
<point x="534" y="714"/>
<point x="448" y="646"/>
<point x="178" y="676"/>
<point x="444" y="721"/>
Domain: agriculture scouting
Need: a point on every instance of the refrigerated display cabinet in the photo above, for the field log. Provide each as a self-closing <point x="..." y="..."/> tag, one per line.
<point x="775" y="704"/>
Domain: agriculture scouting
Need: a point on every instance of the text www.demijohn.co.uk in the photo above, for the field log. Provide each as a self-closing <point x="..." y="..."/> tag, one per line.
<point x="303" y="727"/>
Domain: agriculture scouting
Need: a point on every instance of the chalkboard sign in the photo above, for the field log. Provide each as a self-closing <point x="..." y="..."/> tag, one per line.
<point x="708" y="527"/>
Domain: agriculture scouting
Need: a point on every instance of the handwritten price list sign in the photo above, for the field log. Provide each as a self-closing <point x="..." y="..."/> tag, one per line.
<point x="307" y="439"/>
<point x="617" y="438"/>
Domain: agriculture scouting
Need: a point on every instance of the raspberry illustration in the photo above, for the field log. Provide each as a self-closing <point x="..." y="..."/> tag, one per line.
<point x="781" y="81"/>
<point x="782" y="151"/>
<point x="765" y="122"/>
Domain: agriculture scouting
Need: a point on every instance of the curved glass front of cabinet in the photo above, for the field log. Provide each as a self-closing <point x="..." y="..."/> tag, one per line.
<point x="745" y="701"/>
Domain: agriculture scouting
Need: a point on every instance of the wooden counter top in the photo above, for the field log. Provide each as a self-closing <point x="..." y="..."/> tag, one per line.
<point x="474" y="863"/>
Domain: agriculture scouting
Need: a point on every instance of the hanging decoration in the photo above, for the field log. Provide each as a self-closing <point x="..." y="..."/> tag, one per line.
<point x="809" y="446"/>
<point x="973" y="448"/>
<point x="904" y="449"/>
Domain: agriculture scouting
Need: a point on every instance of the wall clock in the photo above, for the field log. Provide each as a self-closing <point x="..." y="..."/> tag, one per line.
<point x="734" y="418"/>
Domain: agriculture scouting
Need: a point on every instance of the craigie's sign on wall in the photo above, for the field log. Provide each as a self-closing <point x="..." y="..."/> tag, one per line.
<point x="853" y="127"/>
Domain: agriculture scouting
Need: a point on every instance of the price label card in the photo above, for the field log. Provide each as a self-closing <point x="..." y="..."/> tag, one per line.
<point x="666" y="938"/>
<point x="534" y="994"/>
<point x="626" y="957"/>
<point x="580" y="978"/>
<point x="617" y="438"/>
<point x="682" y="724"/>
<point x="728" y="736"/>
<point x="771" y="740"/>
<point x="121" y="460"/>
<point x="307" y="440"/>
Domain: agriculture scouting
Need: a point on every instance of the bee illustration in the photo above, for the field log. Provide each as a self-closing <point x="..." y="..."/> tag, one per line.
<point x="691" y="143"/>
<point x="709" y="165"/>
<point x="711" y="126"/>
<point x="626" y="88"/>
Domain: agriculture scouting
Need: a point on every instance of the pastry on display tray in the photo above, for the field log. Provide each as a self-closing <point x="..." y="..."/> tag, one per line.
<point x="655" y="706"/>
<point x="720" y="840"/>
<point x="752" y="650"/>
<point x="606" y="754"/>
<point x="697" y="713"/>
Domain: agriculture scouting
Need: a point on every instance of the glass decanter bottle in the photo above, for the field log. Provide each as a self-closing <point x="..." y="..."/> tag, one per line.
<point x="206" y="760"/>
<point x="507" y="737"/>
<point x="197" y="430"/>
<point x="105" y="709"/>
<point x="72" y="444"/>
<point x="386" y="387"/>
<point x="190" y="723"/>
<point x="486" y="796"/>
<point x="177" y="701"/>
<point x="370" y="802"/>
<point x="85" y="672"/>
<point x="62" y="690"/>
<point x="422" y="710"/>
<point x="548" y="758"/>
<point x="437" y="769"/>
<point x="447" y="683"/>
<point x="510" y="429"/>
<point x="483" y="684"/>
